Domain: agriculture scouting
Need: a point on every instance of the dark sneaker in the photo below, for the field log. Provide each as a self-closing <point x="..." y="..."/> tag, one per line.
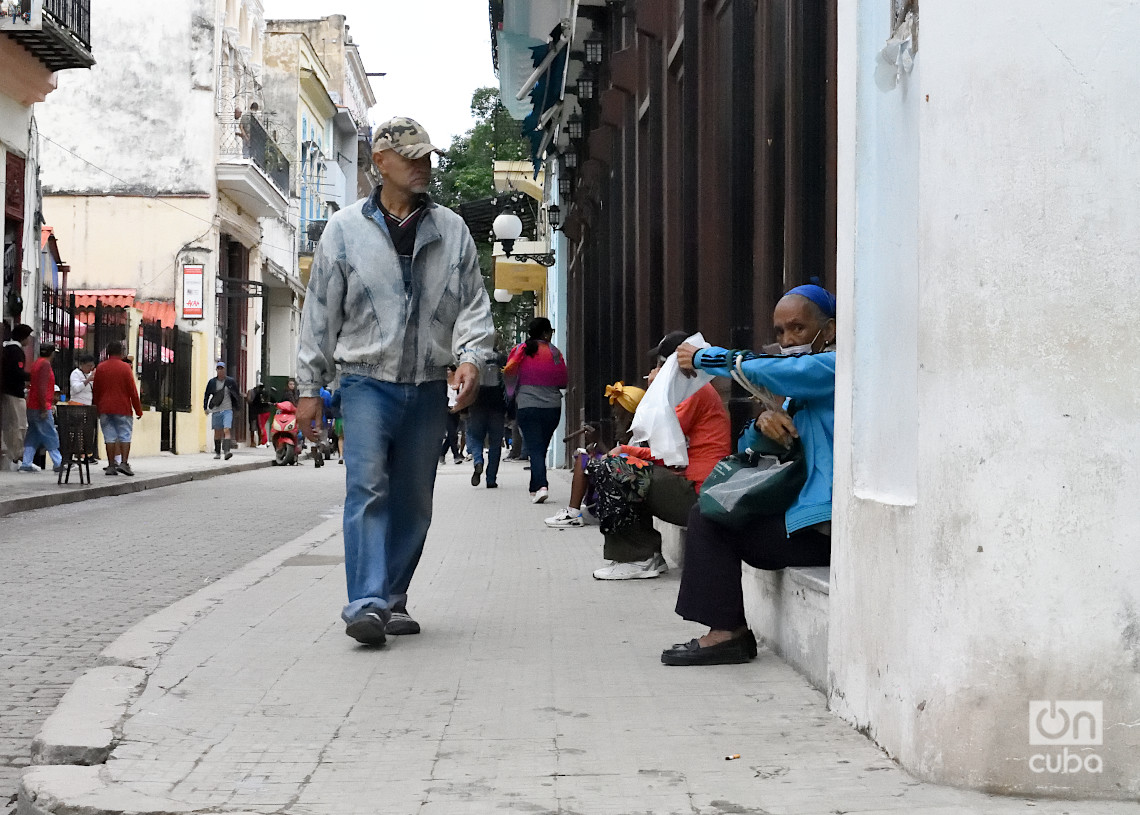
<point x="125" y="469"/>
<point x="111" y="469"/>
<point x="401" y="622"/>
<point x="217" y="456"/>
<point x="228" y="446"/>
<point x="491" y="485"/>
<point x="368" y="628"/>
<point x="478" y="474"/>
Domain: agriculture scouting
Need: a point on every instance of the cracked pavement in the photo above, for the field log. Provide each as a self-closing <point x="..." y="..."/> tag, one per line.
<point x="77" y="576"/>
<point x="533" y="689"/>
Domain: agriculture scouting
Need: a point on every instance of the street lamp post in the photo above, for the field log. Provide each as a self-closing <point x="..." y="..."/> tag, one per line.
<point x="508" y="228"/>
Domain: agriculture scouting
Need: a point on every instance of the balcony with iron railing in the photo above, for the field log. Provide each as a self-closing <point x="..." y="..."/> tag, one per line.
<point x="57" y="32"/>
<point x="309" y="236"/>
<point x="252" y="168"/>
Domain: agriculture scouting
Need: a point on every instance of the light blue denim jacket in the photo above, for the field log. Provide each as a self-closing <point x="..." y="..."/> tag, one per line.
<point x="360" y="317"/>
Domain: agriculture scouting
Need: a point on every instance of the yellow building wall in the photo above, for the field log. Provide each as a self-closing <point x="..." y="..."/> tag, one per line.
<point x="126" y="242"/>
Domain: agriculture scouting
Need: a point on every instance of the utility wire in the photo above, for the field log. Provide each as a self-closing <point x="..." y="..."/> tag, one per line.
<point x="216" y="222"/>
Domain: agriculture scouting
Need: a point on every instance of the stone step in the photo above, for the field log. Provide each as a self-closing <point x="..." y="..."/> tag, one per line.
<point x="787" y="611"/>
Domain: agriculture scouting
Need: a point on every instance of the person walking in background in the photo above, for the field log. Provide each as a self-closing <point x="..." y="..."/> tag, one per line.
<point x="222" y="397"/>
<point x="40" y="404"/>
<point x="13" y="384"/>
<point x="290" y="393"/>
<point x="486" y="420"/>
<point x="536" y="374"/>
<point x="258" y="412"/>
<point x="115" y="395"/>
<point x="395" y="295"/>
<point x="451" y="437"/>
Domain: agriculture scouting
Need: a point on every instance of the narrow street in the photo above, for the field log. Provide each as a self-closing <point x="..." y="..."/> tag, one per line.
<point x="533" y="688"/>
<point x="77" y="576"/>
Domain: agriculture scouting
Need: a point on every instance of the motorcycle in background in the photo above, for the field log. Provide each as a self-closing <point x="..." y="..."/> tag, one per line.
<point x="286" y="440"/>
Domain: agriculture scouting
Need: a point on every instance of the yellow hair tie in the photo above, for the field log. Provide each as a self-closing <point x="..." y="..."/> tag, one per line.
<point x="627" y="396"/>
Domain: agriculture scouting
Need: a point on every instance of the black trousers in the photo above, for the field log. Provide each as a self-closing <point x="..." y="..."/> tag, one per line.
<point x="451" y="440"/>
<point x="710" y="582"/>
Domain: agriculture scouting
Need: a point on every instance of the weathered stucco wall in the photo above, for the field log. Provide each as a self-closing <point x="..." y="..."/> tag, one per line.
<point x="128" y="242"/>
<point x="989" y="241"/>
<point x="144" y="113"/>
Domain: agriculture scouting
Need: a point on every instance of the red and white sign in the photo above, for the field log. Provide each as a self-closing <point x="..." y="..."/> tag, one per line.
<point x="192" y="292"/>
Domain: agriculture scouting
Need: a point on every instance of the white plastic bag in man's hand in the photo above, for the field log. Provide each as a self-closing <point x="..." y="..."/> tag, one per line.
<point x="656" y="418"/>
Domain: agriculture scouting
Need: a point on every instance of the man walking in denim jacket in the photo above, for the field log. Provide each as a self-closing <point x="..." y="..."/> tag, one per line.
<point x="394" y="296"/>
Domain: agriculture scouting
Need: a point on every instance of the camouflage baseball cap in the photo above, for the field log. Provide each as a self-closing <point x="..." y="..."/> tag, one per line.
<point x="406" y="136"/>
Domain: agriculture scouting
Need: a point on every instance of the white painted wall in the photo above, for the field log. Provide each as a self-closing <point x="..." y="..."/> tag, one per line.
<point x="140" y="113"/>
<point x="988" y="418"/>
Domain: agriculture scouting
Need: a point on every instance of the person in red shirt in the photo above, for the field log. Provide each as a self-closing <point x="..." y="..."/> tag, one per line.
<point x="635" y="552"/>
<point x="41" y="424"/>
<point x="115" y="394"/>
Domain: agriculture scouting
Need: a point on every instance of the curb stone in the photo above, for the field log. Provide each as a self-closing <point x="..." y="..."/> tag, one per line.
<point x="85" y="727"/>
<point x="55" y="499"/>
<point x="70" y="790"/>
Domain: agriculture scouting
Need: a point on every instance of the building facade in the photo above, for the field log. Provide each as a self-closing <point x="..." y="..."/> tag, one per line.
<point x="967" y="186"/>
<point x="984" y="572"/>
<point x="351" y="90"/>
<point x="167" y="180"/>
<point x="37" y="41"/>
<point x="694" y="158"/>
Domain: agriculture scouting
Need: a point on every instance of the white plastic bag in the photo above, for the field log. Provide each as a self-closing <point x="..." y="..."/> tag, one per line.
<point x="656" y="418"/>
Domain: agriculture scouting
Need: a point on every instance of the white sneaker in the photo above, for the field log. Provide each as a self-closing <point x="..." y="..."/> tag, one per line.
<point x="540" y="496"/>
<point x="637" y="570"/>
<point x="566" y="519"/>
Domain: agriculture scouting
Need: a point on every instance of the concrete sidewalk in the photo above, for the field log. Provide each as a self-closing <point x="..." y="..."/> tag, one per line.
<point x="20" y="492"/>
<point x="532" y="689"/>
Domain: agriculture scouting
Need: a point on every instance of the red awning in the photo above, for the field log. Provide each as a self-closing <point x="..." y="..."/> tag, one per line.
<point x="121" y="298"/>
<point x="162" y="311"/>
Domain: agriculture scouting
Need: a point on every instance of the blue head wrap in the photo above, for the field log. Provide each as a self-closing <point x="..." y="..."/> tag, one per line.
<point x="818" y="295"/>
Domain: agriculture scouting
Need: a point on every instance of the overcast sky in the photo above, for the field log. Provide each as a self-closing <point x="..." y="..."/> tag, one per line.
<point x="435" y="52"/>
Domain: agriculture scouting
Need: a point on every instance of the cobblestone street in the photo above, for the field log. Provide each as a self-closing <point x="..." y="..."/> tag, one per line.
<point x="76" y="576"/>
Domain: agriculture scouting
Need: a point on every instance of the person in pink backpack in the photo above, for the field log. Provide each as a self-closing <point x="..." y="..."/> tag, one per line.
<point x="536" y="375"/>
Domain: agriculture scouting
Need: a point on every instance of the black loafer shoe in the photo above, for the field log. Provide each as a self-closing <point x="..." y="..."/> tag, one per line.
<point x="731" y="652"/>
<point x="475" y="476"/>
<point x="748" y="638"/>
<point x="368" y="628"/>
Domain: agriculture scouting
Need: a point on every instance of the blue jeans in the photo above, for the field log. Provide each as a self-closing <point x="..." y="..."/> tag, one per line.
<point x="485" y="423"/>
<point x="393" y="434"/>
<point x="41" y="433"/>
<point x="537" y="426"/>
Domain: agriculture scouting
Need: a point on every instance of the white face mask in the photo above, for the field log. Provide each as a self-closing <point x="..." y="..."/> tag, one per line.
<point x="807" y="348"/>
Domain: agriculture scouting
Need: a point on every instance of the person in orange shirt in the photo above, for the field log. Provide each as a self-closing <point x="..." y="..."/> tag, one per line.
<point x="635" y="551"/>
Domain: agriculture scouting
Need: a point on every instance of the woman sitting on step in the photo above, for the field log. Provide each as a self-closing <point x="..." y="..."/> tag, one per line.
<point x="710" y="592"/>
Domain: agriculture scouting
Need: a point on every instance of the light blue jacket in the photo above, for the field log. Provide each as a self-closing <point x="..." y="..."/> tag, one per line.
<point x="808" y="379"/>
<point x="370" y="314"/>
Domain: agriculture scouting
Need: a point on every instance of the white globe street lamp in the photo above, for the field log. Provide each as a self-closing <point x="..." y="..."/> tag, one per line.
<point x="507" y="228"/>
